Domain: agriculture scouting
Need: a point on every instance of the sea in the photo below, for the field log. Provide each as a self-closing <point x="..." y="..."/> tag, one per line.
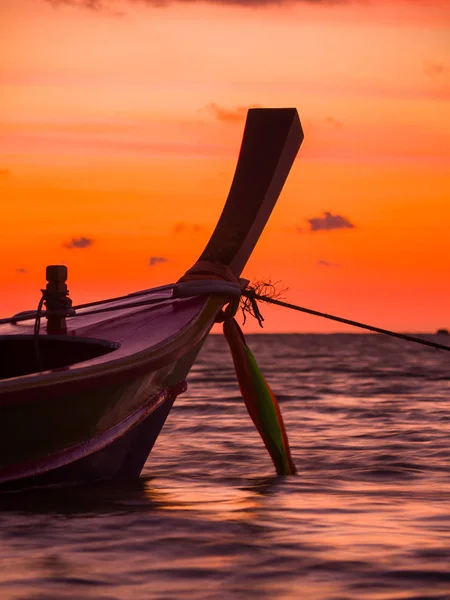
<point x="367" y="516"/>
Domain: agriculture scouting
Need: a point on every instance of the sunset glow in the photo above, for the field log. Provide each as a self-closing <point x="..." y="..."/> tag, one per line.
<point x="120" y="128"/>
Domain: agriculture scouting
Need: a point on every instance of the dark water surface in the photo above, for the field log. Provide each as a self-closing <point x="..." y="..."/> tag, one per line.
<point x="368" y="516"/>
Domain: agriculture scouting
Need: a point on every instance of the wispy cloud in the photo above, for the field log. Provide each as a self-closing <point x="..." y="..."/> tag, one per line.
<point x="333" y="122"/>
<point x="230" y="115"/>
<point x="329" y="222"/>
<point x="434" y="69"/>
<point x="79" y="243"/>
<point x="91" y="4"/>
<point x="21" y="270"/>
<point x="325" y="263"/>
<point x="109" y="5"/>
<point x="156" y="260"/>
<point x="186" y="228"/>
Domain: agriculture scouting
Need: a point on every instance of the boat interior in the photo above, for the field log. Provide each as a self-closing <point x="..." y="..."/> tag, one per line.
<point x="27" y="354"/>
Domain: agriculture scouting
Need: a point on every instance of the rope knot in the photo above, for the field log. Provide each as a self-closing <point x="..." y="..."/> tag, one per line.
<point x="57" y="303"/>
<point x="204" y="270"/>
<point x="229" y="311"/>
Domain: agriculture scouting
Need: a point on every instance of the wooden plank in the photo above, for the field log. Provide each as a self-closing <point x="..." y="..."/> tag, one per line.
<point x="272" y="138"/>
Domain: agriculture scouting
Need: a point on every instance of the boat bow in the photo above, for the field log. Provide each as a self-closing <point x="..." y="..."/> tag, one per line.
<point x="138" y="352"/>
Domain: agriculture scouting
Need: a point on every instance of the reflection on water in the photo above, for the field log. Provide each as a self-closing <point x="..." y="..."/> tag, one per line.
<point x="368" y="516"/>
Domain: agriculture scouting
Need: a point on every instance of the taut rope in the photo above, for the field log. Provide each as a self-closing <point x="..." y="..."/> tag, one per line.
<point x="200" y="281"/>
<point x="252" y="296"/>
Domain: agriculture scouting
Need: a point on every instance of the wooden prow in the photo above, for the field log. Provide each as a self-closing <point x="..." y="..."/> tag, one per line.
<point x="271" y="140"/>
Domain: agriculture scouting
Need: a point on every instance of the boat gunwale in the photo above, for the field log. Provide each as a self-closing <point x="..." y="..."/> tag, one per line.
<point x="81" y="375"/>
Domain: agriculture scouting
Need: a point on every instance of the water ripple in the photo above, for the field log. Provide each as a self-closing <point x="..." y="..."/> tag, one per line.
<point x="367" y="518"/>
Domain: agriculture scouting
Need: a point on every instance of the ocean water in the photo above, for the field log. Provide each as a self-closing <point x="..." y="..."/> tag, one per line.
<point x="367" y="516"/>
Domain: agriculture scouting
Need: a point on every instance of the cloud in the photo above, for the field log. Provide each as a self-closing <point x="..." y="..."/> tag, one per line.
<point x="103" y="6"/>
<point x="186" y="228"/>
<point x="81" y="242"/>
<point x="5" y="172"/>
<point x="433" y="68"/>
<point x="230" y="115"/>
<point x="108" y="5"/>
<point x="325" y="263"/>
<point x="329" y="222"/>
<point x="91" y="4"/>
<point x="333" y="122"/>
<point x="21" y="270"/>
<point x="156" y="260"/>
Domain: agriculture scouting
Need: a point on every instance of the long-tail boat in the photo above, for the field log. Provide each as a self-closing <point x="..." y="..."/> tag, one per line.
<point x="85" y="396"/>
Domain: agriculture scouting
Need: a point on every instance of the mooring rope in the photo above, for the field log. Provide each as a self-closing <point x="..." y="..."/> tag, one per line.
<point x="249" y="293"/>
<point x="194" y="288"/>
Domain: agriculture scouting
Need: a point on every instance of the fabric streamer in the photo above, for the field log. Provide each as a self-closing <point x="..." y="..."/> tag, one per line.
<point x="259" y="399"/>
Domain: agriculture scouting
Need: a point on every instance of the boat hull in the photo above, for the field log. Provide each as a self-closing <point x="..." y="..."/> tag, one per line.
<point x="119" y="453"/>
<point x="91" y="423"/>
<point x="95" y="411"/>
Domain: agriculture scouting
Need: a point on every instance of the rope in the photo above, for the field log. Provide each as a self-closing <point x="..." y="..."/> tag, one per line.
<point x="204" y="279"/>
<point x="403" y="336"/>
<point x="58" y="304"/>
<point x="205" y="271"/>
<point x="37" y="326"/>
<point x="181" y="290"/>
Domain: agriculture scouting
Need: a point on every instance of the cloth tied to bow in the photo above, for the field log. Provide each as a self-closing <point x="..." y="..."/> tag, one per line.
<point x="261" y="402"/>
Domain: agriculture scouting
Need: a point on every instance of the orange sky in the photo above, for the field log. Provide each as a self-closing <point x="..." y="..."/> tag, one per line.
<point x="121" y="126"/>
